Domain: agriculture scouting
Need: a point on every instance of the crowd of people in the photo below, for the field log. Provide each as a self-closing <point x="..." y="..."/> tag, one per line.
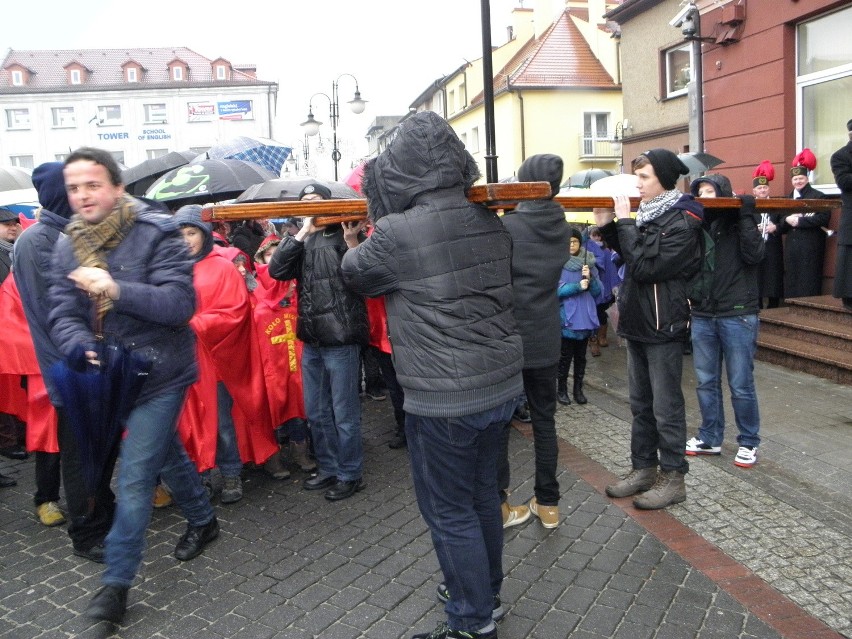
<point x="255" y="336"/>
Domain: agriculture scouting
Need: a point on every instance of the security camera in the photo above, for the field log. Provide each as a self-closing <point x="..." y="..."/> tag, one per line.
<point x="685" y="10"/>
<point x="688" y="27"/>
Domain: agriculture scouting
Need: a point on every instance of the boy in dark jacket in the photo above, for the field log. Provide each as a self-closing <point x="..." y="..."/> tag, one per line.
<point x="662" y="251"/>
<point x="444" y="267"/>
<point x="725" y="325"/>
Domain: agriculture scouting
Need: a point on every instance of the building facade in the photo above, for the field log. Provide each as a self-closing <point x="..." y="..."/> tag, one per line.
<point x="136" y="103"/>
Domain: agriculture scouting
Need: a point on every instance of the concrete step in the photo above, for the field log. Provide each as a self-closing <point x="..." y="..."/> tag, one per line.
<point x="815" y="359"/>
<point x="822" y="307"/>
<point x="790" y="323"/>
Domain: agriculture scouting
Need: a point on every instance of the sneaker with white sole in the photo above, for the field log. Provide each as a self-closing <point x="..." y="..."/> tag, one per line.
<point x="746" y="457"/>
<point x="697" y="447"/>
<point x="514" y="515"/>
<point x="549" y="515"/>
<point x="497" y="612"/>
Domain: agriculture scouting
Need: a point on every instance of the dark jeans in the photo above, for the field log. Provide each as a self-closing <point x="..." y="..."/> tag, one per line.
<point x="397" y="395"/>
<point x="454" y="467"/>
<point x="371" y="370"/>
<point x="12" y="431"/>
<point x="658" y="432"/>
<point x="540" y="388"/>
<point x="46" y="477"/>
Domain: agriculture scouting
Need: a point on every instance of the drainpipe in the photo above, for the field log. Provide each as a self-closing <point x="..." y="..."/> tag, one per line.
<point x="523" y="127"/>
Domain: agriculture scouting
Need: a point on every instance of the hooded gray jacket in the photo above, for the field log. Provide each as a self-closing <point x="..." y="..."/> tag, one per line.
<point x="444" y="265"/>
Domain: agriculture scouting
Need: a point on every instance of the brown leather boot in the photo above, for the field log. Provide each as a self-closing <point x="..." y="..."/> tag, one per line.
<point x="636" y="481"/>
<point x="594" y="347"/>
<point x="602" y="341"/>
<point x="669" y="488"/>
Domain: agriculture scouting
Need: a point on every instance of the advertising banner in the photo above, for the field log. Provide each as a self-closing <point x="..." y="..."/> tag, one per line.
<point x="200" y="111"/>
<point x="236" y="110"/>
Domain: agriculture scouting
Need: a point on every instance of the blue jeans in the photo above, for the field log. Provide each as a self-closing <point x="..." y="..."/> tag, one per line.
<point x="151" y="448"/>
<point x="454" y="466"/>
<point x="658" y="431"/>
<point x="330" y="382"/>
<point x="734" y="340"/>
<point x="227" y="453"/>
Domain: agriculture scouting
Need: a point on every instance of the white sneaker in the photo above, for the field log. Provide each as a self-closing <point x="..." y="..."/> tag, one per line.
<point x="746" y="457"/>
<point x="697" y="447"/>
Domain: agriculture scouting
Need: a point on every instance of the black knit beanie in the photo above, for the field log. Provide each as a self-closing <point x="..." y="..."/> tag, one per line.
<point x="544" y="167"/>
<point x="667" y="167"/>
<point x="316" y="187"/>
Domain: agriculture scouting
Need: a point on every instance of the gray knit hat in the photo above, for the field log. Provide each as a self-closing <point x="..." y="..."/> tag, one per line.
<point x="544" y="167"/>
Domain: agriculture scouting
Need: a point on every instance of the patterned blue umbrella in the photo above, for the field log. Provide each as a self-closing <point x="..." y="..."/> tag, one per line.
<point x="267" y="153"/>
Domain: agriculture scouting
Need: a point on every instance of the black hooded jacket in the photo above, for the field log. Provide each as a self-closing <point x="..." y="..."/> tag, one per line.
<point x="661" y="257"/>
<point x="739" y="249"/>
<point x="444" y="265"/>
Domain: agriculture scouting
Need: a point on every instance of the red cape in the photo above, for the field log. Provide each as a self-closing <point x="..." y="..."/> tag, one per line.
<point x="228" y="351"/>
<point x="275" y="317"/>
<point x="18" y="359"/>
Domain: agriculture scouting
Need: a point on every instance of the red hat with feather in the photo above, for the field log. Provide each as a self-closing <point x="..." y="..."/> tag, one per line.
<point x="803" y="163"/>
<point x="763" y="174"/>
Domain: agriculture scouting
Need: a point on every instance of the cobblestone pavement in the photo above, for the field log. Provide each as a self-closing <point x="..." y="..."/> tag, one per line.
<point x="289" y="564"/>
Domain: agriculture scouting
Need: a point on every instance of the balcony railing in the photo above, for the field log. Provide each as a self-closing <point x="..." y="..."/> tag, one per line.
<point x="599" y="148"/>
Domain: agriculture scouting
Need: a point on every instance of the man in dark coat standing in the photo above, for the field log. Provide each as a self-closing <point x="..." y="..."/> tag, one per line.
<point x="444" y="267"/>
<point x="32" y="261"/>
<point x="540" y="238"/>
<point x="804" y="248"/>
<point x="841" y="166"/>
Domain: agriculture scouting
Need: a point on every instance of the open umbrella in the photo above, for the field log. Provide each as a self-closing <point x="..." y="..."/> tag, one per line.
<point x="97" y="400"/>
<point x="699" y="162"/>
<point x="206" y="181"/>
<point x="584" y="179"/>
<point x="138" y="178"/>
<point x="19" y="196"/>
<point x="13" y="178"/>
<point x="283" y="189"/>
<point x="267" y="153"/>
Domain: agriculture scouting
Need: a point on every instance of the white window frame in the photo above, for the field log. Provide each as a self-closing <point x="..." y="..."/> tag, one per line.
<point x="132" y="74"/>
<point x="22" y="161"/>
<point x="598" y="131"/>
<point x="118" y="156"/>
<point x="61" y="157"/>
<point x="221" y="72"/>
<point x="75" y="76"/>
<point x="152" y="154"/>
<point x="671" y="92"/>
<point x="177" y="73"/>
<point x="17" y="78"/>
<point x="155" y="113"/>
<point x="110" y="115"/>
<point x="18" y="119"/>
<point x="474" y="140"/>
<point x="63" y="117"/>
<point x="825" y="140"/>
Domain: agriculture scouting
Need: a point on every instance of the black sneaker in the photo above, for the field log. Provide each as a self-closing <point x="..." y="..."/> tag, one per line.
<point x="497" y="613"/>
<point x="443" y="631"/>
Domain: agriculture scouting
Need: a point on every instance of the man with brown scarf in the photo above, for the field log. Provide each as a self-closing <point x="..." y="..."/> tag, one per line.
<point x="123" y="271"/>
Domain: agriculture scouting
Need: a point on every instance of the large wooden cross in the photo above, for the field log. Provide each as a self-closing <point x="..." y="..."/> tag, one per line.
<point x="494" y="196"/>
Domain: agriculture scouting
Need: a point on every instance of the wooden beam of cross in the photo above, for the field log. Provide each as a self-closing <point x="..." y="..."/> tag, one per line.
<point x="494" y="196"/>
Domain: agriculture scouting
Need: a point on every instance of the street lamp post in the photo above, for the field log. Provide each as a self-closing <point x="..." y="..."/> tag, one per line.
<point x="618" y="145"/>
<point x="312" y="125"/>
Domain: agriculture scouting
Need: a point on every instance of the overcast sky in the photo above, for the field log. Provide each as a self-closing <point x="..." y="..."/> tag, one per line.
<point x="395" y="48"/>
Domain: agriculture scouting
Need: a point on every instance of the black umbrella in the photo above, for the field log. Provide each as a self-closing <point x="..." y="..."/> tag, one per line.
<point x="283" y="189"/>
<point x="207" y="181"/>
<point x="699" y="162"/>
<point x="13" y="178"/>
<point x="137" y="179"/>
<point x="97" y="400"/>
<point x="585" y="178"/>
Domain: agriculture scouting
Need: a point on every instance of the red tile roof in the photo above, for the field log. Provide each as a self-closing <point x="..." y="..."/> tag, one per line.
<point x="559" y="59"/>
<point x="106" y="68"/>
